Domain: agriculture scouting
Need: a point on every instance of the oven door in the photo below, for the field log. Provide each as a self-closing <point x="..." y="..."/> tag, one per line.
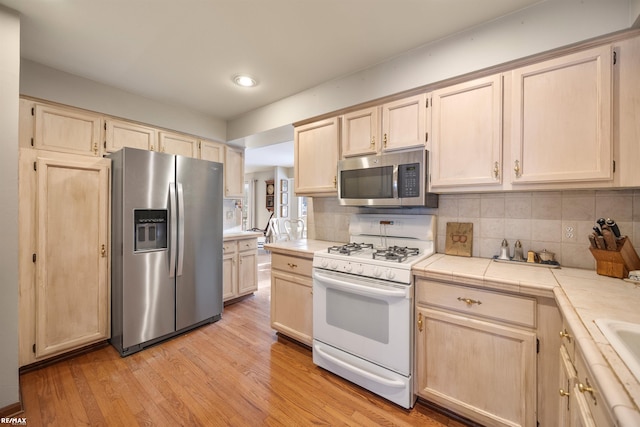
<point x="368" y="318"/>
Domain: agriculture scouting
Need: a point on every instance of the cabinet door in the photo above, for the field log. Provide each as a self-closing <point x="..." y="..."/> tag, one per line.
<point x="233" y="172"/>
<point x="247" y="272"/>
<point x="404" y="123"/>
<point x="120" y="134"/>
<point x="565" y="385"/>
<point x="229" y="276"/>
<point x="211" y="151"/>
<point x="561" y="113"/>
<point x="72" y="279"/>
<point x="67" y="130"/>
<point x="292" y="306"/>
<point x="483" y="371"/>
<point x="360" y="132"/>
<point x="316" y="153"/>
<point x="466" y="134"/>
<point x="181" y="145"/>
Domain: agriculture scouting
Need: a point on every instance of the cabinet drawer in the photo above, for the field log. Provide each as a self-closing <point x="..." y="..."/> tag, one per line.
<point x="247" y="244"/>
<point x="229" y="247"/>
<point x="478" y="302"/>
<point x="292" y="264"/>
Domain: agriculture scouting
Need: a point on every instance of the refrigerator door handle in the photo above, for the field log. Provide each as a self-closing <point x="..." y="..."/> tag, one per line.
<point x="180" y="228"/>
<point x="173" y="215"/>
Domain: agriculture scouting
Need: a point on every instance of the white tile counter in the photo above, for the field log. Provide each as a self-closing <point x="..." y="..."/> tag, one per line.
<point x="582" y="297"/>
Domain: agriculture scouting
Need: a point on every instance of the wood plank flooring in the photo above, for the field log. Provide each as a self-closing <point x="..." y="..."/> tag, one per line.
<point x="235" y="372"/>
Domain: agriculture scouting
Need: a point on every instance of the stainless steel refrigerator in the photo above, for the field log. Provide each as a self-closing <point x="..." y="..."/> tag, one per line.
<point x="166" y="263"/>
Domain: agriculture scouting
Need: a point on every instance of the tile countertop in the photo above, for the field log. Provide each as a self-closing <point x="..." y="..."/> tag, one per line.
<point x="302" y="247"/>
<point x="582" y="297"/>
<point x="240" y="234"/>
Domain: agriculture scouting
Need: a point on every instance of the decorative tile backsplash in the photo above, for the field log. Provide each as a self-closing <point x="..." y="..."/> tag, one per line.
<point x="556" y="221"/>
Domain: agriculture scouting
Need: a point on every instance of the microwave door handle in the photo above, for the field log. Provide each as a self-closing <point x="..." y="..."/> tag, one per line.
<point x="173" y="229"/>
<point x="395" y="181"/>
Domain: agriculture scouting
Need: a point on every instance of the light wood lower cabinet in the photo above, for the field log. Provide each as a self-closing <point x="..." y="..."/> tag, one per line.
<point x="476" y="353"/>
<point x="239" y="267"/>
<point x="292" y="297"/>
<point x="64" y="253"/>
<point x="581" y="404"/>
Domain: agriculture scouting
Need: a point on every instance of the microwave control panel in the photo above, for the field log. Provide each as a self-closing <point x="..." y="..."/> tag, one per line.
<point x="409" y="180"/>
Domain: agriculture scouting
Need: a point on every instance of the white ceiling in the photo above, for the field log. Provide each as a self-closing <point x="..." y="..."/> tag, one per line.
<point x="185" y="52"/>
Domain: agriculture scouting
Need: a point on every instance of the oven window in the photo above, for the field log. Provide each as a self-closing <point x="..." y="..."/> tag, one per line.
<point x="364" y="316"/>
<point x="370" y="183"/>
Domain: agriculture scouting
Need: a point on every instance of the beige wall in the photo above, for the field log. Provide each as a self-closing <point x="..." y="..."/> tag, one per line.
<point x="9" y="83"/>
<point x="556" y="221"/>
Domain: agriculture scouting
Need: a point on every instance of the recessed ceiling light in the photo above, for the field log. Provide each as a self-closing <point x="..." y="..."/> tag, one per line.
<point x="244" y="80"/>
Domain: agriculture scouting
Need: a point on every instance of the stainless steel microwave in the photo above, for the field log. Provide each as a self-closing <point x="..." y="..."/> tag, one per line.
<point x="388" y="180"/>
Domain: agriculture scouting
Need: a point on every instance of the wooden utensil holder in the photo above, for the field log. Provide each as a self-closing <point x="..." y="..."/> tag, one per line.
<point x="617" y="263"/>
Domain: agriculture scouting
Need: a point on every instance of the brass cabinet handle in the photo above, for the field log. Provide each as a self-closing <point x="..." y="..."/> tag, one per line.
<point x="151" y="147"/>
<point x="335" y="181"/>
<point x="564" y="393"/>
<point x="292" y="265"/>
<point x="496" y="170"/>
<point x="103" y="251"/>
<point x="373" y="142"/>
<point x="469" y="301"/>
<point x="420" y="323"/>
<point x="565" y="334"/>
<point x="95" y="148"/>
<point x="587" y="389"/>
<point x="385" y="140"/>
<point x="516" y="168"/>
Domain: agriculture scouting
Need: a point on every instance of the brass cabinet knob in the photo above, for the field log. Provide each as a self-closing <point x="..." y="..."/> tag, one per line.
<point x="373" y="143"/>
<point x="564" y="393"/>
<point x="565" y="334"/>
<point x="516" y="168"/>
<point x="496" y="170"/>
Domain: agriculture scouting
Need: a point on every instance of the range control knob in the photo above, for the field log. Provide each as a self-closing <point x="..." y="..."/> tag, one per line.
<point x="360" y="269"/>
<point x="390" y="274"/>
<point x="348" y="268"/>
<point x="324" y="263"/>
<point x="333" y="265"/>
<point x="377" y="272"/>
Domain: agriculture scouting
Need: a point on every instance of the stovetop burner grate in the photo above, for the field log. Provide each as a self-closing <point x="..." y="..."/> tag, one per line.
<point x="349" y="248"/>
<point x="395" y="253"/>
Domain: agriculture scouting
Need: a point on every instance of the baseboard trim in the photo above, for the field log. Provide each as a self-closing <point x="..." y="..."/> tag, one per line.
<point x="55" y="359"/>
<point x="11" y="410"/>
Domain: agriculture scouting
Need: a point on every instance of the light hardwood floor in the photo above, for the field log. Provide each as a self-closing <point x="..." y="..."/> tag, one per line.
<point x="233" y="372"/>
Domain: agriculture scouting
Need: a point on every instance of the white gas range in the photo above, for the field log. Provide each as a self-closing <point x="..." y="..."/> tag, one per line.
<point x="363" y="302"/>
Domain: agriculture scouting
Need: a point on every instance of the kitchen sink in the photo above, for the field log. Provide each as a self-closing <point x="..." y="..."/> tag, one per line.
<point x="624" y="337"/>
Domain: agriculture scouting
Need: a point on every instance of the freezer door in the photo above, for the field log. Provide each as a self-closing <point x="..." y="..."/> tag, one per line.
<point x="147" y="290"/>
<point x="199" y="261"/>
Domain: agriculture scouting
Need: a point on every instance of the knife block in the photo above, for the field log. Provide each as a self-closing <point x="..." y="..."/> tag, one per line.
<point x="617" y="263"/>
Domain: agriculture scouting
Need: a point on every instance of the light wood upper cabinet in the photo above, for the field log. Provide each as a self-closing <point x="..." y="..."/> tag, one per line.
<point x="67" y="130"/>
<point x="404" y="123"/>
<point x="120" y="134"/>
<point x="561" y="117"/>
<point x="233" y="172"/>
<point x="175" y="143"/>
<point x="361" y="132"/>
<point x="316" y="154"/>
<point x="466" y="135"/>
<point x="64" y="290"/>
<point x="211" y="151"/>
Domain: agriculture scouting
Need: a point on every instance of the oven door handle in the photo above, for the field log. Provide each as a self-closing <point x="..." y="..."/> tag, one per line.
<point x="359" y="371"/>
<point x="360" y="289"/>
